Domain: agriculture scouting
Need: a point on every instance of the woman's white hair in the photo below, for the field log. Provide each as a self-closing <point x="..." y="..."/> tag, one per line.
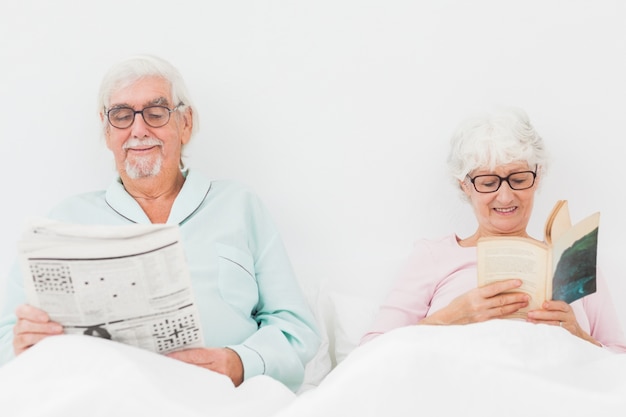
<point x="500" y="137"/>
<point x="134" y="68"/>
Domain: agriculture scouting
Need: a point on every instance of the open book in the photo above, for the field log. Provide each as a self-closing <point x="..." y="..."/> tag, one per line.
<point x="128" y="283"/>
<point x="563" y="267"/>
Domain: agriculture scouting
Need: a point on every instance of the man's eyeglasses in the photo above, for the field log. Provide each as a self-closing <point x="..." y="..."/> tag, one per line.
<point x="154" y="116"/>
<point x="491" y="183"/>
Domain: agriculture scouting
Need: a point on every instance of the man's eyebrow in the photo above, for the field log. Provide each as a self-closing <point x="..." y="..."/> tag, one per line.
<point x="159" y="101"/>
<point x="120" y="106"/>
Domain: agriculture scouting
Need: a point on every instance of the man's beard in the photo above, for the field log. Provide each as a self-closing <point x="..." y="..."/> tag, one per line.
<point x="146" y="166"/>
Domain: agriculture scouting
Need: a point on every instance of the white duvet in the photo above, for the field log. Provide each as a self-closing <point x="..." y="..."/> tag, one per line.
<point x="497" y="368"/>
<point x="67" y="376"/>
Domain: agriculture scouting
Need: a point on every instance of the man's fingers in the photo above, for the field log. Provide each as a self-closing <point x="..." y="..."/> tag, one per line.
<point x="24" y="326"/>
<point x="30" y="313"/>
<point x="196" y="356"/>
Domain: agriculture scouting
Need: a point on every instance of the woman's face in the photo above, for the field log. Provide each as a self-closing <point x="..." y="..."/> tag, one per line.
<point x="505" y="211"/>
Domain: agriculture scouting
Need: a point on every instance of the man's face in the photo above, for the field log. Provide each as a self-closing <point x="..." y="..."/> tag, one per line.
<point x="140" y="150"/>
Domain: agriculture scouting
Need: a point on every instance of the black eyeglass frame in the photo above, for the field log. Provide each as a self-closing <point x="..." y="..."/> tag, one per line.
<point x="135" y="112"/>
<point x="502" y="179"/>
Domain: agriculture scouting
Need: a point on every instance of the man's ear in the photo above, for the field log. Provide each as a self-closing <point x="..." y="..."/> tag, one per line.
<point x="107" y="129"/>
<point x="187" y="125"/>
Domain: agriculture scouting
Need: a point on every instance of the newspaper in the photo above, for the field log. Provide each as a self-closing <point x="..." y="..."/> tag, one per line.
<point x="130" y="284"/>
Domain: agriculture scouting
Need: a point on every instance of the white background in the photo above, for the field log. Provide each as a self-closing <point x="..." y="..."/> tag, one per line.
<point x="337" y="112"/>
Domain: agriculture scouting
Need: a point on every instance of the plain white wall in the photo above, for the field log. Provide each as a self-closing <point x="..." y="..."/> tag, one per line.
<point x="337" y="112"/>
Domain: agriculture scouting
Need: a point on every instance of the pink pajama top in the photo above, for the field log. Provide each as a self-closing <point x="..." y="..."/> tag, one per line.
<point x="438" y="271"/>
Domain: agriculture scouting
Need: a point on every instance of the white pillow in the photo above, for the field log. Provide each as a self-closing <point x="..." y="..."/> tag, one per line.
<point x="321" y="364"/>
<point x="353" y="314"/>
<point x="349" y="296"/>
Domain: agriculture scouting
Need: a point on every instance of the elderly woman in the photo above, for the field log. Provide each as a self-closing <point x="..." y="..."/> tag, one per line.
<point x="497" y="160"/>
<point x="253" y="314"/>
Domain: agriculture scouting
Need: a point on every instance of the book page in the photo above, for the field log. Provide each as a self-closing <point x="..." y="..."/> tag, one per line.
<point x="574" y="256"/>
<point x="558" y="222"/>
<point x="501" y="258"/>
<point x="125" y="283"/>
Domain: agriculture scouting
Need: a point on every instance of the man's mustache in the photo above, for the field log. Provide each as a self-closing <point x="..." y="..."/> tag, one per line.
<point x="135" y="143"/>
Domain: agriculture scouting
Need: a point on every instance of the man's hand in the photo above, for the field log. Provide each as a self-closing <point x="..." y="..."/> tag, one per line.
<point x="33" y="325"/>
<point x="223" y="360"/>
<point x="491" y="301"/>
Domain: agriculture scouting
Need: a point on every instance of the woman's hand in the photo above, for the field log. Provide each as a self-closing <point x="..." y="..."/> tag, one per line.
<point x="491" y="301"/>
<point x="223" y="360"/>
<point x="33" y="325"/>
<point x="559" y="313"/>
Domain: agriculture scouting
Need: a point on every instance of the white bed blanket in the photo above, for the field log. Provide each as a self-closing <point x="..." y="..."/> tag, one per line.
<point x="488" y="369"/>
<point x="67" y="376"/>
<point x="496" y="368"/>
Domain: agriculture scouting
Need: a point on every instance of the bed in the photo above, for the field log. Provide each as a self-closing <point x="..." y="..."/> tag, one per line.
<point x="500" y="367"/>
<point x="486" y="369"/>
<point x="74" y="375"/>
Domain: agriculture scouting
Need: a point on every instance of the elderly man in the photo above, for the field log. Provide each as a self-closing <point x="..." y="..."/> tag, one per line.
<point x="254" y="317"/>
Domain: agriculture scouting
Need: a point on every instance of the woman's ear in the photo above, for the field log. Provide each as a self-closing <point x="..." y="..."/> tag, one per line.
<point x="465" y="187"/>
<point x="538" y="175"/>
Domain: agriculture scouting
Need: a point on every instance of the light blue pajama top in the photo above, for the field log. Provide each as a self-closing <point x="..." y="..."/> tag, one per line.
<point x="247" y="294"/>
